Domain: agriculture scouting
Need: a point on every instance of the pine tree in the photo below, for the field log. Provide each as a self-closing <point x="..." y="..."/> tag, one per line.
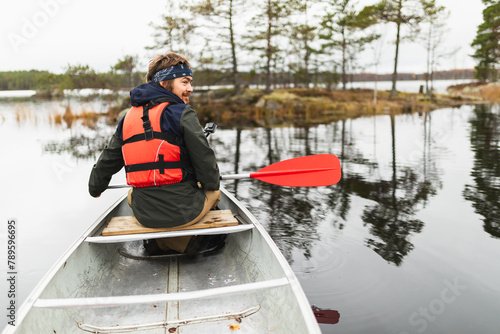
<point x="175" y="30"/>
<point x="344" y="28"/>
<point x="127" y="66"/>
<point x="487" y="43"/>
<point x="302" y="37"/>
<point x="269" y="24"/>
<point x="222" y="15"/>
<point x="403" y="13"/>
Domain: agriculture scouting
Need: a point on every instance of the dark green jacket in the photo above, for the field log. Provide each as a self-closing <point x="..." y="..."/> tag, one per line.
<point x="173" y="204"/>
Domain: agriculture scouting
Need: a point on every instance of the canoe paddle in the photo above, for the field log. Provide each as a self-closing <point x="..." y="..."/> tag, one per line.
<point x="309" y="171"/>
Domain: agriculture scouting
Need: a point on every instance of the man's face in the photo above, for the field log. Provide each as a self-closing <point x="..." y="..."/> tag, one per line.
<point x="182" y="88"/>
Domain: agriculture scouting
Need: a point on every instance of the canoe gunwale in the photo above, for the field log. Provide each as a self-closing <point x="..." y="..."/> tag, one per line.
<point x="305" y="306"/>
<point x="37" y="291"/>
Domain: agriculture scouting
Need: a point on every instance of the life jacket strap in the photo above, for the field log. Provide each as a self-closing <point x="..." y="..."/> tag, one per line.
<point x="156" y="135"/>
<point x="160" y="165"/>
<point x="146" y="124"/>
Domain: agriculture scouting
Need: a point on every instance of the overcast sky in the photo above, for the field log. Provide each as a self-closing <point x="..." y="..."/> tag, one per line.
<point x="50" y="34"/>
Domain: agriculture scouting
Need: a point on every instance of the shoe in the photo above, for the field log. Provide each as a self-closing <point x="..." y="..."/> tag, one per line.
<point x="152" y="248"/>
<point x="205" y="245"/>
<point x="194" y="246"/>
<point x="214" y="247"/>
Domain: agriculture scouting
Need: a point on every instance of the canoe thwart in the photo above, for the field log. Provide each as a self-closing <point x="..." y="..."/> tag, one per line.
<point x="112" y="301"/>
<point x="169" y="234"/>
<point x="129" y="225"/>
<point x="168" y="324"/>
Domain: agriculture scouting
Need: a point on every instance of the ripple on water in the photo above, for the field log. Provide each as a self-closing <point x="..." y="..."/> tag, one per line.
<point x="333" y="277"/>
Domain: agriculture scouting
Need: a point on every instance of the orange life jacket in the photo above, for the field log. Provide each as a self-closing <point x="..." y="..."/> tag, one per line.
<point x="151" y="157"/>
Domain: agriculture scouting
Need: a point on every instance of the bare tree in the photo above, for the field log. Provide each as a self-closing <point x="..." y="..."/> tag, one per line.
<point x="434" y="17"/>
<point x="403" y="13"/>
<point x="222" y="15"/>
<point x="303" y="36"/>
<point x="344" y="28"/>
<point x="175" y="29"/>
<point x="268" y="25"/>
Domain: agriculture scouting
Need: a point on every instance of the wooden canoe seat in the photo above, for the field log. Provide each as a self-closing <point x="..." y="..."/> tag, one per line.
<point x="129" y="225"/>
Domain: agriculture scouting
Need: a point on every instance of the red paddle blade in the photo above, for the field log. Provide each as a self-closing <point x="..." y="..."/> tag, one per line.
<point x="309" y="171"/>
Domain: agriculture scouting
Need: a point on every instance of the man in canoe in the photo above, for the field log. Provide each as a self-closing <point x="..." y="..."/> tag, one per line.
<point x="167" y="158"/>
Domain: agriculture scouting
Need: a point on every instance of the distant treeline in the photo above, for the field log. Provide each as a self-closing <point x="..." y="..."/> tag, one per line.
<point x="438" y="75"/>
<point x="75" y="78"/>
<point x="84" y="77"/>
<point x="19" y="80"/>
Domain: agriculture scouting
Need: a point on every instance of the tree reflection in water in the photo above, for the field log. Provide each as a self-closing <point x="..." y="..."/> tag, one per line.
<point x="485" y="143"/>
<point x="292" y="214"/>
<point x="289" y="210"/>
<point x="83" y="143"/>
<point x="392" y="220"/>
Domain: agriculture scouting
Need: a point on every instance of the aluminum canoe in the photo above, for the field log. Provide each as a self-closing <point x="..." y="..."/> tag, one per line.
<point x="110" y="285"/>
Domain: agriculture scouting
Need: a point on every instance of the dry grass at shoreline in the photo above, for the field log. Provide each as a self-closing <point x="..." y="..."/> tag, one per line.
<point x="289" y="106"/>
<point x="23" y="113"/>
<point x="489" y="92"/>
<point x="88" y="118"/>
<point x="310" y="106"/>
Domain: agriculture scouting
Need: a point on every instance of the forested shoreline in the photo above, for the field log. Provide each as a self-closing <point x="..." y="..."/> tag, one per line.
<point x="290" y="43"/>
<point x="88" y="78"/>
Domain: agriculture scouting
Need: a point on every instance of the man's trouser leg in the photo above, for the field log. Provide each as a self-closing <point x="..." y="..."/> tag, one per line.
<point x="179" y="244"/>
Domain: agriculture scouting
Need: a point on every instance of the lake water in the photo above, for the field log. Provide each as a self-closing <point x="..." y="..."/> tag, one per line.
<point x="407" y="242"/>
<point x="409" y="86"/>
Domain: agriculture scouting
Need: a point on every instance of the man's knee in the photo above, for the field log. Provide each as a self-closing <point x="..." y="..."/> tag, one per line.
<point x="129" y="197"/>
<point x="213" y="198"/>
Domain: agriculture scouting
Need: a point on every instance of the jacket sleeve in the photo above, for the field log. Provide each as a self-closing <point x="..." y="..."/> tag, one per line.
<point x="201" y="154"/>
<point x="109" y="163"/>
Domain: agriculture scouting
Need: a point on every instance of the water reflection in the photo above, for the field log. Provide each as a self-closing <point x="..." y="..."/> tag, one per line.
<point x="397" y="190"/>
<point x="331" y="235"/>
<point x="237" y="159"/>
<point x="83" y="142"/>
<point x="392" y="219"/>
<point x="292" y="214"/>
<point x="324" y="316"/>
<point x="289" y="209"/>
<point x="485" y="192"/>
